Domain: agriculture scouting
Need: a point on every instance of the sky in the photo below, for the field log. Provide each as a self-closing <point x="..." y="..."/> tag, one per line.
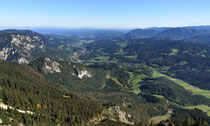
<point x="104" y="13"/>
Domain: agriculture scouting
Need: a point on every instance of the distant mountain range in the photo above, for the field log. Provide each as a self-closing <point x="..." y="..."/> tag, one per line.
<point x="84" y="33"/>
<point x="141" y="33"/>
<point x="179" y="33"/>
<point x="173" y="33"/>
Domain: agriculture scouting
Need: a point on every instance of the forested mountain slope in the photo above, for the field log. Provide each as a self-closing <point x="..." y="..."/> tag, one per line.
<point x="23" y="88"/>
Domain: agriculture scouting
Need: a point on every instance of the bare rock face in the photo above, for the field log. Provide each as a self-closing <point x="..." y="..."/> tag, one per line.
<point x="21" y="46"/>
<point x="27" y="43"/>
<point x="51" y="66"/>
<point x="22" y="60"/>
<point x="84" y="73"/>
<point x="6" y="52"/>
<point x="122" y="115"/>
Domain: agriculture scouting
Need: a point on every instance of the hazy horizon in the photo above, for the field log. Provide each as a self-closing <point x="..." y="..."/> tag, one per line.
<point x="104" y="14"/>
<point x="91" y="28"/>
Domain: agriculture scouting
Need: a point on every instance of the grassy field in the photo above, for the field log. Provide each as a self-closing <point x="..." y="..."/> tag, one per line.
<point x="159" y="96"/>
<point x="120" y="52"/>
<point x="102" y="58"/>
<point x="174" y="52"/>
<point x="183" y="63"/>
<point x="193" y="89"/>
<point x="158" y="119"/>
<point x="116" y="81"/>
<point x="134" y="80"/>
<point x="122" y="44"/>
<point x="132" y="57"/>
<point x="203" y="108"/>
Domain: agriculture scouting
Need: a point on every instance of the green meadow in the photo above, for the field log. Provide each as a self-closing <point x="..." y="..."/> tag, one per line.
<point x="203" y="108"/>
<point x="193" y="89"/>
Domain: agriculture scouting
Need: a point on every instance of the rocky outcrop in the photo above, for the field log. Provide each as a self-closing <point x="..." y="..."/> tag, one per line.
<point x="51" y="66"/>
<point x="120" y="114"/>
<point x="84" y="73"/>
<point x="6" y="52"/>
<point x="27" y="43"/>
<point x="21" y="46"/>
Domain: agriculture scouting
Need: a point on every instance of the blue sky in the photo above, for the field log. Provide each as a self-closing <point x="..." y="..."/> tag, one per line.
<point x="104" y="13"/>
